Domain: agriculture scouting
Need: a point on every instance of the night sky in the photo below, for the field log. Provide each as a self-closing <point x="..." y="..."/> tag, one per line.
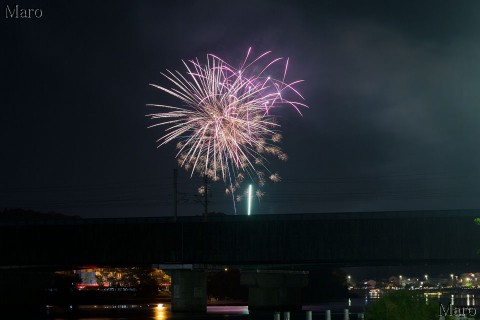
<point x="393" y="89"/>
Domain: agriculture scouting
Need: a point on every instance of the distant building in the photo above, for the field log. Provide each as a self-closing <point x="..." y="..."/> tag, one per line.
<point x="87" y="276"/>
<point x="370" y="284"/>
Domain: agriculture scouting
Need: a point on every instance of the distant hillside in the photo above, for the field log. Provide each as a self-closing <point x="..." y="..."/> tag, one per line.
<point x="22" y="214"/>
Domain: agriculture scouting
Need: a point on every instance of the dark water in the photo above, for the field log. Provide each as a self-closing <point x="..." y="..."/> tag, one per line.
<point x="162" y="311"/>
<point x="144" y="312"/>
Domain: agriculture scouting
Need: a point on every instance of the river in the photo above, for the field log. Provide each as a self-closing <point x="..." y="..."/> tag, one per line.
<point x="162" y="311"/>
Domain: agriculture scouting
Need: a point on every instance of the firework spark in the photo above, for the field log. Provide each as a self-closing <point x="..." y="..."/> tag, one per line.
<point x="224" y="126"/>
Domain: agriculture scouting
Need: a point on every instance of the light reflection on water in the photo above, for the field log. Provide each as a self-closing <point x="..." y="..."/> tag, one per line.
<point x="111" y="312"/>
<point x="162" y="311"/>
<point x="239" y="310"/>
<point x="357" y="305"/>
<point x="143" y="312"/>
<point x="463" y="299"/>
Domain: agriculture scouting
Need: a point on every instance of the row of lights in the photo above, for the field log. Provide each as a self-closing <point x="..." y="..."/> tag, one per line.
<point x="426" y="277"/>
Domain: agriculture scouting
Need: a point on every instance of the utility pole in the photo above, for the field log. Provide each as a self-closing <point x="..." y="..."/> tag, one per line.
<point x="175" y="201"/>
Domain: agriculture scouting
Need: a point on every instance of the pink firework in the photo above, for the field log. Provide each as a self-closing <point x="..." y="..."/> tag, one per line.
<point x="224" y="124"/>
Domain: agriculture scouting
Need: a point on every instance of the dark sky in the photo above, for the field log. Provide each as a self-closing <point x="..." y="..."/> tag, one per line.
<point x="393" y="89"/>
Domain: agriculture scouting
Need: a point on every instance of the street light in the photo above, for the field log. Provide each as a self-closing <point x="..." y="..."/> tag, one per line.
<point x="349" y="282"/>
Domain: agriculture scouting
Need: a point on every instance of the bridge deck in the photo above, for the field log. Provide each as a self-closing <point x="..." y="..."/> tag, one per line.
<point x="328" y="238"/>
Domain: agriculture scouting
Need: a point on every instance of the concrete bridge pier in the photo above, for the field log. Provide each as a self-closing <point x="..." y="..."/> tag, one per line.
<point x="274" y="290"/>
<point x="189" y="292"/>
<point x="24" y="292"/>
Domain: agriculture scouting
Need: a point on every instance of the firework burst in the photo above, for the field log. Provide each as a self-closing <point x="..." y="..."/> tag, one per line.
<point x="224" y="126"/>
